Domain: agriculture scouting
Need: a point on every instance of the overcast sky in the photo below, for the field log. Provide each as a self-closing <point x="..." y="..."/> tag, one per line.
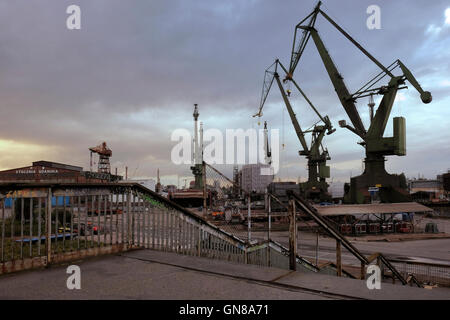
<point x="131" y="75"/>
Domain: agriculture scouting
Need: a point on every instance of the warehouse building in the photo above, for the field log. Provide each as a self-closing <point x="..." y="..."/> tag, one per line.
<point x="426" y="189"/>
<point x="53" y="172"/>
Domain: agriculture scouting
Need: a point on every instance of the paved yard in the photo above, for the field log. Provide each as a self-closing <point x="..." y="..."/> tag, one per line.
<point x="146" y="274"/>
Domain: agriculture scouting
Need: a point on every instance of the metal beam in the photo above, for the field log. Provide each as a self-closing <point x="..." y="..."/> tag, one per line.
<point x="356" y="44"/>
<point x="298" y="129"/>
<point x="338" y="83"/>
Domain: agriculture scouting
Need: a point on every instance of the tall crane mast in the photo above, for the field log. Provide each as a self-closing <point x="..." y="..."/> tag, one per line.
<point x="376" y="145"/>
<point x="197" y="155"/>
<point x="318" y="171"/>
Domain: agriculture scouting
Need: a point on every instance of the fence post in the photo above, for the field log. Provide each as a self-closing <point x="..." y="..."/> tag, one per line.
<point x="199" y="241"/>
<point x="338" y="259"/>
<point x="129" y="240"/>
<point x="363" y="271"/>
<point x="380" y="265"/>
<point x="48" y="243"/>
<point x="268" y="229"/>
<point x="317" y="247"/>
<point x="292" y="236"/>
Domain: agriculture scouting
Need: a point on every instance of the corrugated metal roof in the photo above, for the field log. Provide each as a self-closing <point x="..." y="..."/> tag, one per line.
<point x="56" y="165"/>
<point x="346" y="209"/>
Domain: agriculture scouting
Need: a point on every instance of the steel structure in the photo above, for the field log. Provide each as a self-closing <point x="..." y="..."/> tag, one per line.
<point x="104" y="153"/>
<point x="103" y="218"/>
<point x="392" y="187"/>
<point x="316" y="187"/>
<point x="197" y="155"/>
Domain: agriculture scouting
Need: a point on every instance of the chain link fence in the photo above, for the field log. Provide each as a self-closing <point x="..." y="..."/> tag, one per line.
<point x="235" y="210"/>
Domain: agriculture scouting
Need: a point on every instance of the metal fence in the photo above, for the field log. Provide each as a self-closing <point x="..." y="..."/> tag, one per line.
<point x="44" y="224"/>
<point x="238" y="211"/>
<point x="426" y="273"/>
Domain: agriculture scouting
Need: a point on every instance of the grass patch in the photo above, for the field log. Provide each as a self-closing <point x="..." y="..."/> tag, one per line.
<point x="12" y="249"/>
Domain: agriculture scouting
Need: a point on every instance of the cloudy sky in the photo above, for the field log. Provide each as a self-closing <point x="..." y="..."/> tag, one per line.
<point x="131" y="75"/>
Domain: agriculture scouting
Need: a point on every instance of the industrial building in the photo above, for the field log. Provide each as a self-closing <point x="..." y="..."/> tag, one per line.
<point x="47" y="171"/>
<point x="427" y="189"/>
<point x="446" y="182"/>
<point x="252" y="180"/>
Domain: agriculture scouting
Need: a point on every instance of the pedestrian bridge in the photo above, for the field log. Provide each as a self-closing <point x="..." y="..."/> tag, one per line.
<point x="43" y="224"/>
<point x="49" y="223"/>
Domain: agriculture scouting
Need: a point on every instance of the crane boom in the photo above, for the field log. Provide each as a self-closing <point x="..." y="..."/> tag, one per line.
<point x="424" y="95"/>
<point x="356" y="44"/>
<point x="297" y="53"/>
<point x="348" y="100"/>
<point x="267" y="84"/>
<point x="298" y="129"/>
<point x="325" y="119"/>
<point x="376" y="145"/>
<point x="338" y="83"/>
<point x="316" y="155"/>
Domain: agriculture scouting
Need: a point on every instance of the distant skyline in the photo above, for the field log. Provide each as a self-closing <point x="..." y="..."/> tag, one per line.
<point x="133" y="72"/>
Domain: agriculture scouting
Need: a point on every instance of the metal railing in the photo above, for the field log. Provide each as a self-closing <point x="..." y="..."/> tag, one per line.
<point x="42" y="224"/>
<point x="424" y="272"/>
<point x="340" y="239"/>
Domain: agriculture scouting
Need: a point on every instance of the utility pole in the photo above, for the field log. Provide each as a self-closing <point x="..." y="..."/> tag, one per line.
<point x="249" y="218"/>
<point x="371" y="105"/>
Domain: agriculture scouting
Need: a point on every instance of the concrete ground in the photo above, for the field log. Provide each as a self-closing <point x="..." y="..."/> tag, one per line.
<point x="426" y="250"/>
<point x="430" y="250"/>
<point x="147" y="274"/>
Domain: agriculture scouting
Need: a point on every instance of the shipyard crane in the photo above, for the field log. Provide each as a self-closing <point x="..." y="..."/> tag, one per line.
<point x="316" y="186"/>
<point x="104" y="154"/>
<point x="392" y="187"/>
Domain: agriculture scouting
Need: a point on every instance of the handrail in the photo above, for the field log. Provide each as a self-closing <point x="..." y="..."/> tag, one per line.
<point x="329" y="263"/>
<point x="352" y="249"/>
<point x="136" y="186"/>
<point x="327" y="226"/>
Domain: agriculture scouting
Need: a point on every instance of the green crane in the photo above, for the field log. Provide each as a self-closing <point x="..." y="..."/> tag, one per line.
<point x="316" y="188"/>
<point x="392" y="187"/>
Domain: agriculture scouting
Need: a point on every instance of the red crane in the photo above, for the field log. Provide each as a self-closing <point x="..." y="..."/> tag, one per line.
<point x="104" y="154"/>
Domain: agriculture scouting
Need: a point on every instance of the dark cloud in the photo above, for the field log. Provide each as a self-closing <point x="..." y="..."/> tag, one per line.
<point x="133" y="71"/>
